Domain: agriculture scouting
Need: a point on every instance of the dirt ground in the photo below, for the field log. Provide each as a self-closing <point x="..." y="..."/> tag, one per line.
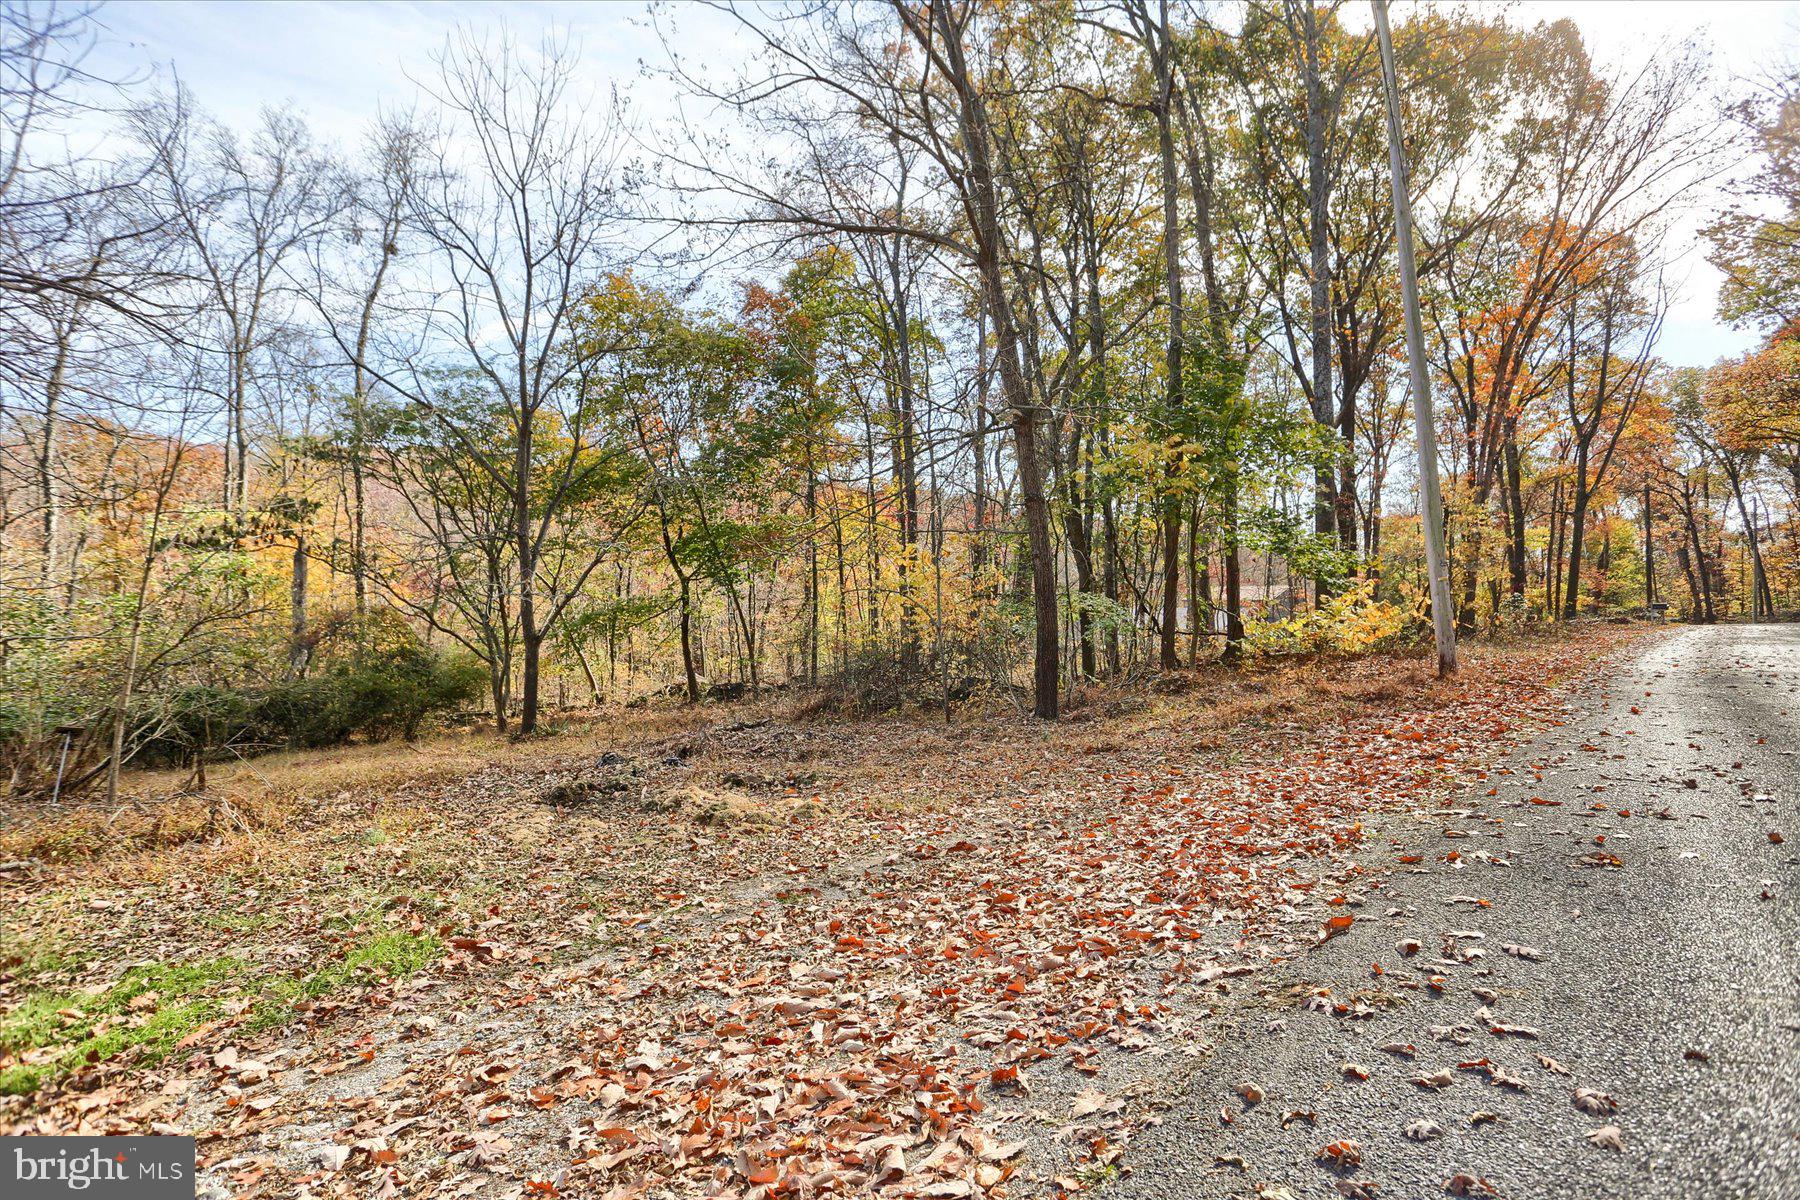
<point x="735" y="950"/>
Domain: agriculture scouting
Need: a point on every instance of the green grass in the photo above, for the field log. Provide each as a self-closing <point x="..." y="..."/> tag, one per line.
<point x="94" y="1027"/>
<point x="394" y="955"/>
<point x="95" y="1032"/>
<point x="47" y="955"/>
<point x="238" y="922"/>
<point x="1098" y="1175"/>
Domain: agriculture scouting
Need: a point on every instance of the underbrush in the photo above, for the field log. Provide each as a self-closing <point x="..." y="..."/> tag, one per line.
<point x="57" y="726"/>
<point x="1314" y="681"/>
<point x="375" y="702"/>
<point x="1352" y="623"/>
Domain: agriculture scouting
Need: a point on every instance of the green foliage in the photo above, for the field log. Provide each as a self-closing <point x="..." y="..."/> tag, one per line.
<point x="379" y="698"/>
<point x="1102" y="615"/>
<point x="1311" y="555"/>
<point x="172" y="1000"/>
<point x="62" y="662"/>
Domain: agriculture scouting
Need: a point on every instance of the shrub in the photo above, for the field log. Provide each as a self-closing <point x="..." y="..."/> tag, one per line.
<point x="1354" y="622"/>
<point x="377" y="699"/>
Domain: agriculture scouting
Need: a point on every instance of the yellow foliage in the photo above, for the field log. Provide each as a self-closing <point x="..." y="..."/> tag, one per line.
<point x="1352" y="623"/>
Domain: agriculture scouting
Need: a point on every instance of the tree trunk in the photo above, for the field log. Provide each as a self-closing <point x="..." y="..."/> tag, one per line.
<point x="906" y="467"/>
<point x="689" y="672"/>
<point x="298" y="651"/>
<point x="978" y="440"/>
<point x="1160" y="51"/>
<point x="1109" y="585"/>
<point x="812" y="571"/>
<point x="1319" y="249"/>
<point x="1759" y="581"/>
<point x="1577" y="534"/>
<point x="1515" y="517"/>
<point x="984" y="205"/>
<point x="50" y="493"/>
<point x="1234" y="607"/>
<point x="1703" y="606"/>
<point x="530" y="636"/>
<point x="1553" y="556"/>
<point x="498" y="672"/>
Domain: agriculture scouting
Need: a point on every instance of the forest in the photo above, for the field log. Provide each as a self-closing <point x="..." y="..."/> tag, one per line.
<point x="928" y="350"/>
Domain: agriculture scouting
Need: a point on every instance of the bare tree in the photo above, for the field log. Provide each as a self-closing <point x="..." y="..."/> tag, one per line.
<point x="1610" y="356"/>
<point x="351" y="276"/>
<point x="246" y="210"/>
<point x="517" y="212"/>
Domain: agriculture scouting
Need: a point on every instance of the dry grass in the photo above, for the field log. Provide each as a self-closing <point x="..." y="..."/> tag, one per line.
<point x="744" y="761"/>
<point x="267" y="792"/>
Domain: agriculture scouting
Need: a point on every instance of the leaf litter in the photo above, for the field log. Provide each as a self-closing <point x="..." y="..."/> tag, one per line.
<point x="866" y="994"/>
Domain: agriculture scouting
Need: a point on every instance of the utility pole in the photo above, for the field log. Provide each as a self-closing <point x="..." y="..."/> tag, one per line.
<point x="1757" y="611"/>
<point x="1431" y="500"/>
<point x="1649" y="563"/>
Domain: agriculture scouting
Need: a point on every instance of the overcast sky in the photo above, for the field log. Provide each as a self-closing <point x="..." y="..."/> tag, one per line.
<point x="341" y="61"/>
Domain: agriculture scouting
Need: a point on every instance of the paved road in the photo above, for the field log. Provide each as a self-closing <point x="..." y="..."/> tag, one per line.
<point x="1667" y="983"/>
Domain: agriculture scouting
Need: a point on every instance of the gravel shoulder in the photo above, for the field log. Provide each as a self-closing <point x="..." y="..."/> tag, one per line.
<point x="1665" y="984"/>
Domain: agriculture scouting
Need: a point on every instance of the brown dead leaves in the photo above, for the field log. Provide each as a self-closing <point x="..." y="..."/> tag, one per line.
<point x="864" y="1000"/>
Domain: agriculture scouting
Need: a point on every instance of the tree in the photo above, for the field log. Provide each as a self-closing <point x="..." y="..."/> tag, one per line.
<point x="688" y="395"/>
<point x="1756" y="241"/>
<point x="519" y="209"/>
<point x="1607" y="370"/>
<point x="916" y="76"/>
<point x="246" y="211"/>
<point x="1608" y="157"/>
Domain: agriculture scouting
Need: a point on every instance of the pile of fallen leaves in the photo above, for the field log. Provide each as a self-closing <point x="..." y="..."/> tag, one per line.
<point x="951" y="976"/>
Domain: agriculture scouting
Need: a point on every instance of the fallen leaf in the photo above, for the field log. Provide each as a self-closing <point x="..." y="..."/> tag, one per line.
<point x="1423" y="1131"/>
<point x="1523" y="1031"/>
<point x="1598" y="1103"/>
<point x="1091" y="1100"/>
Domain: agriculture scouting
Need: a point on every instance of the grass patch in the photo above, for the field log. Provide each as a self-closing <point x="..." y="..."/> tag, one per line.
<point x="390" y="955"/>
<point x="238" y="922"/>
<point x="51" y="1034"/>
<point x="98" y="1026"/>
<point x="47" y="954"/>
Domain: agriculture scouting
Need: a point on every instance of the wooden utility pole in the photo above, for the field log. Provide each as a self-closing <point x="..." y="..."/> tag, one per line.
<point x="1758" y="610"/>
<point x="1431" y="500"/>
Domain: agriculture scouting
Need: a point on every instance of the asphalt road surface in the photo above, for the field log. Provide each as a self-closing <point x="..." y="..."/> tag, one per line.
<point x="1665" y="984"/>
